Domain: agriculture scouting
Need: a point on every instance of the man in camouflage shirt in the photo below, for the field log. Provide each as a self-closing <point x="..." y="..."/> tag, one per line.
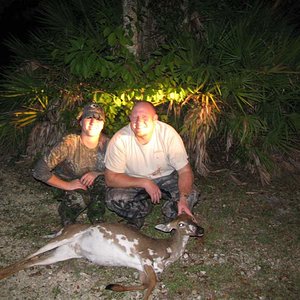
<point x="76" y="166"/>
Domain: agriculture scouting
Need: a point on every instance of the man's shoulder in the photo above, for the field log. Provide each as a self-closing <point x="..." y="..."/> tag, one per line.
<point x="69" y="141"/>
<point x="164" y="125"/>
<point x="70" y="138"/>
<point x="165" y="128"/>
<point x="122" y="133"/>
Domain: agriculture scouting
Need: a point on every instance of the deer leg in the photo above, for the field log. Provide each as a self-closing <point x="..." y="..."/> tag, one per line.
<point x="45" y="258"/>
<point x="23" y="264"/>
<point x="122" y="288"/>
<point x="150" y="281"/>
<point x="148" y="278"/>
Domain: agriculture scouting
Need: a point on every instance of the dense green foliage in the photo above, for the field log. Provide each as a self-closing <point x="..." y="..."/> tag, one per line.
<point x="229" y="75"/>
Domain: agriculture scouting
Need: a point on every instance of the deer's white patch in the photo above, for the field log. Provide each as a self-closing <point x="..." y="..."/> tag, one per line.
<point x="191" y="228"/>
<point x="107" y="252"/>
<point x="158" y="265"/>
<point x="128" y="245"/>
<point x="151" y="252"/>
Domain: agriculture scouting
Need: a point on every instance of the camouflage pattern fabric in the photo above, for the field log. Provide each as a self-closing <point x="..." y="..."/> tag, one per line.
<point x="69" y="160"/>
<point x="134" y="204"/>
<point x="73" y="203"/>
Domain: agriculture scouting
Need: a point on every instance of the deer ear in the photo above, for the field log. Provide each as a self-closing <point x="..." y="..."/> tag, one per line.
<point x="163" y="227"/>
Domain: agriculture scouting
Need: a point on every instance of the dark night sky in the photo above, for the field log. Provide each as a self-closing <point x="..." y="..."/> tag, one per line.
<point x="16" y="18"/>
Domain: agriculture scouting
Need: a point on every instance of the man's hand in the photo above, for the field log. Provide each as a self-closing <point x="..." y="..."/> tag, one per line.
<point x="66" y="185"/>
<point x="122" y="180"/>
<point x="75" y="185"/>
<point x="89" y="178"/>
<point x="153" y="190"/>
<point x="183" y="207"/>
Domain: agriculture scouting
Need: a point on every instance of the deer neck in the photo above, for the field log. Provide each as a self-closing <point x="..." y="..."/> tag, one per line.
<point x="178" y="245"/>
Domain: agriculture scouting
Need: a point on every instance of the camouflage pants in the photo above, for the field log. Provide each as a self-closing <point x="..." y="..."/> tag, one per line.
<point x="135" y="203"/>
<point x="73" y="203"/>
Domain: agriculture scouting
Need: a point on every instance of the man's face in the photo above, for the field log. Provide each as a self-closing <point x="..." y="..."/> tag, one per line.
<point x="142" y="120"/>
<point x="92" y="126"/>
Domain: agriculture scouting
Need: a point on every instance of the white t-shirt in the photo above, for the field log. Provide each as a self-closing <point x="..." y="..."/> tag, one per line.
<point x="164" y="153"/>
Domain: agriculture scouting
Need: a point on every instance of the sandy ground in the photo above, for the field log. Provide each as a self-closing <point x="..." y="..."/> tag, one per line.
<point x="252" y="250"/>
<point x="28" y="212"/>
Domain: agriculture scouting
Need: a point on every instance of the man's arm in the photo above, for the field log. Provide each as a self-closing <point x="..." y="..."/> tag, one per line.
<point x="72" y="185"/>
<point x="43" y="173"/>
<point x="122" y="180"/>
<point x="185" y="185"/>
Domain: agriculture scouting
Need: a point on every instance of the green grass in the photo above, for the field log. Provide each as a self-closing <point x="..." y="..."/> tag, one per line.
<point x="56" y="291"/>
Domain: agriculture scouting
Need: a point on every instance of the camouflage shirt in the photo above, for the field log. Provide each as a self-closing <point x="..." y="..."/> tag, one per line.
<point x="71" y="159"/>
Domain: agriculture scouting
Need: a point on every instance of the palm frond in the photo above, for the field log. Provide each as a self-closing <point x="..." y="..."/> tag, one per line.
<point x="58" y="17"/>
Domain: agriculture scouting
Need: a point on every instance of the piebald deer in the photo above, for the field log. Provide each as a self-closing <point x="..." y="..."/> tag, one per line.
<point x="116" y="245"/>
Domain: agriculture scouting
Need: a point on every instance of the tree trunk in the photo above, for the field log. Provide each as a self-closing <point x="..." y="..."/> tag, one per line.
<point x="130" y="10"/>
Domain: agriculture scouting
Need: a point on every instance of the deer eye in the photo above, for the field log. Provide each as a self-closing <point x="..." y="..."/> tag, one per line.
<point x="181" y="224"/>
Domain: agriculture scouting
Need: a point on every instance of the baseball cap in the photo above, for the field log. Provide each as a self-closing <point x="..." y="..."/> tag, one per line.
<point x="92" y="110"/>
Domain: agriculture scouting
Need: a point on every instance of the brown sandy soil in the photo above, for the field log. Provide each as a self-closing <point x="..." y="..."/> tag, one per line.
<point x="251" y="248"/>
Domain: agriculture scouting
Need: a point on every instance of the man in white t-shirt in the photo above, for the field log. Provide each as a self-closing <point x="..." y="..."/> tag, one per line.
<point x="145" y="162"/>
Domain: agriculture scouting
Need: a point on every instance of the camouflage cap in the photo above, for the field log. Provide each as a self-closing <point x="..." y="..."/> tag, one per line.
<point x="92" y="110"/>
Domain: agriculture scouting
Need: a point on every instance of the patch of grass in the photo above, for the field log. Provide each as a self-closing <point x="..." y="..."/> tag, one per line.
<point x="255" y="235"/>
<point x="177" y="281"/>
<point x="220" y="278"/>
<point x="30" y="230"/>
<point x="56" y="291"/>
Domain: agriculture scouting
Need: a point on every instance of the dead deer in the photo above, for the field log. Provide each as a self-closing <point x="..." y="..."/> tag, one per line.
<point x="116" y="245"/>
